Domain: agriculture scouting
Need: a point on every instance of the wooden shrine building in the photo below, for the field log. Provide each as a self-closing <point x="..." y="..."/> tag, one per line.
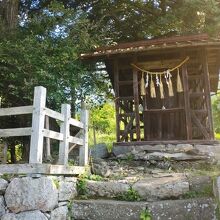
<point x="162" y="87"/>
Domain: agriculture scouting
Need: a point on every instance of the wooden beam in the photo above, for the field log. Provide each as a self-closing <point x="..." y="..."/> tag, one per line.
<point x="116" y="89"/>
<point x="156" y="142"/>
<point x="38" y="119"/>
<point x="207" y="92"/>
<point x="16" y="110"/>
<point x="84" y="149"/>
<point x="53" y="135"/>
<point x="65" y="130"/>
<point x="54" y="114"/>
<point x="199" y="125"/>
<point x="136" y="103"/>
<point x="75" y="140"/>
<point x="127" y="128"/>
<point x="76" y="123"/>
<point x="41" y="169"/>
<point x="15" y="132"/>
<point x="187" y="103"/>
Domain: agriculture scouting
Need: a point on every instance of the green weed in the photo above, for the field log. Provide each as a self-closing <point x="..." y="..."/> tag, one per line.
<point x="130" y="195"/>
<point x="145" y="215"/>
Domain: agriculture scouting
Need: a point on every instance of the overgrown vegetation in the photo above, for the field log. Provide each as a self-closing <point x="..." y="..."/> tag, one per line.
<point x="145" y="215"/>
<point x="205" y="192"/>
<point x="130" y="195"/>
<point x="41" y="43"/>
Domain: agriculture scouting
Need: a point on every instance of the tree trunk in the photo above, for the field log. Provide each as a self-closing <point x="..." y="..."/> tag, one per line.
<point x="9" y="14"/>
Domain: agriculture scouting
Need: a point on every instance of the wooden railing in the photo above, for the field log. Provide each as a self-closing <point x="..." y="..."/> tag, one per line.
<point x="38" y="131"/>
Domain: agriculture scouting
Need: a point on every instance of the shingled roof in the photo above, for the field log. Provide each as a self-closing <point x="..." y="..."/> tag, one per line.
<point x="155" y="44"/>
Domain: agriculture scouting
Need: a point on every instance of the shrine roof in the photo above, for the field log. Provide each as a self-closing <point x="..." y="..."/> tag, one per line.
<point x="154" y="44"/>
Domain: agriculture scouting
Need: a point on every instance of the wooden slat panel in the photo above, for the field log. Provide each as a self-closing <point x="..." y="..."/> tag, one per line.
<point x="76" y="123"/>
<point x="199" y="125"/>
<point x="129" y="82"/>
<point x="75" y="140"/>
<point x="207" y="93"/>
<point x="16" y="110"/>
<point x="53" y="135"/>
<point x="15" y="132"/>
<point x="54" y="114"/>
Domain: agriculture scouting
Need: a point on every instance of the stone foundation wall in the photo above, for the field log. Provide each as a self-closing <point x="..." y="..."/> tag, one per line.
<point x="36" y="198"/>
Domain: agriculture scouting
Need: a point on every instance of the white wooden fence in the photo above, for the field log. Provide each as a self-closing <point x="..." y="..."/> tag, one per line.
<point x="38" y="131"/>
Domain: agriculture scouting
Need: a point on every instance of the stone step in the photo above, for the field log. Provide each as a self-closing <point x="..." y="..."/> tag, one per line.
<point x="151" y="188"/>
<point x="191" y="209"/>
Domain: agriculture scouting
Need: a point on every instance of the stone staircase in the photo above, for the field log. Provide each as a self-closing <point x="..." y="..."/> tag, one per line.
<point x="175" y="196"/>
<point x="132" y="188"/>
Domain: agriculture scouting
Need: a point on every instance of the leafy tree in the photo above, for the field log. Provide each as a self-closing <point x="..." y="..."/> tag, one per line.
<point x="216" y="112"/>
<point x="44" y="50"/>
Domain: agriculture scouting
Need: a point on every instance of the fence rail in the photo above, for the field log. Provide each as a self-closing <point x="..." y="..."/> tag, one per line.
<point x="38" y="131"/>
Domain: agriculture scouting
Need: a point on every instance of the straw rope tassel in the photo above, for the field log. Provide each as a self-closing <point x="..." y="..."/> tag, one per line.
<point x="170" y="87"/>
<point x="161" y="89"/>
<point x="143" y="92"/>
<point x="179" y="83"/>
<point x="152" y="88"/>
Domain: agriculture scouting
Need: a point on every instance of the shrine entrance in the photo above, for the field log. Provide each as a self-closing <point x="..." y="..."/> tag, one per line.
<point x="162" y="88"/>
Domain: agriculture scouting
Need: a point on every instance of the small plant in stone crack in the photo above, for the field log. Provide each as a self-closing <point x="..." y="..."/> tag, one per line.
<point x="145" y="215"/>
<point x="130" y="195"/>
<point x="81" y="187"/>
<point x="56" y="183"/>
<point x="95" y="177"/>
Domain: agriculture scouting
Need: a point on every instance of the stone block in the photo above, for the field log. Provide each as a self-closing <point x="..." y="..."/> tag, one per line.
<point x="117" y="150"/>
<point x="192" y="209"/>
<point x="106" y="189"/>
<point x="25" y="194"/>
<point x="3" y="186"/>
<point x="173" y="186"/>
<point x="99" y="151"/>
<point x="2" y="206"/>
<point x="67" y="189"/>
<point x="59" y="213"/>
<point x="199" y="183"/>
<point x="30" y="215"/>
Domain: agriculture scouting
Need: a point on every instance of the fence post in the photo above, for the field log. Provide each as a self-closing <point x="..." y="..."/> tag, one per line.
<point x="38" y="118"/>
<point x="65" y="130"/>
<point x="84" y="151"/>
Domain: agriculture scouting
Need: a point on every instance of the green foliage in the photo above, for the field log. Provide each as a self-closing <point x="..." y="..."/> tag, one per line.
<point x="95" y="177"/>
<point x="102" y="120"/>
<point x="216" y="113"/>
<point x="81" y="187"/>
<point x="130" y="195"/>
<point x="145" y="215"/>
<point x="205" y="192"/>
<point x="56" y="183"/>
<point x="153" y="18"/>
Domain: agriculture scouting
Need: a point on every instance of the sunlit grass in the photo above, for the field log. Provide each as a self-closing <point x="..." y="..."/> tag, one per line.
<point x="217" y="136"/>
<point x="102" y="138"/>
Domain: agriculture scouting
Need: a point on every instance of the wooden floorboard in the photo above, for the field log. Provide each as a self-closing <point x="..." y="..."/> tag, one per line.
<point x="41" y="169"/>
<point x="205" y="142"/>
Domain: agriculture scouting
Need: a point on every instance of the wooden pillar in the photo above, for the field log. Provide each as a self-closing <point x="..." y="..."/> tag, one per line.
<point x="136" y="103"/>
<point x="116" y="88"/>
<point x="187" y="103"/>
<point x="38" y="119"/>
<point x="47" y="146"/>
<point x="84" y="150"/>
<point x="65" y="130"/>
<point x="207" y="92"/>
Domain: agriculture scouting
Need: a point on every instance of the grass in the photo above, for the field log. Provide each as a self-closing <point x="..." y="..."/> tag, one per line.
<point x="217" y="136"/>
<point x="101" y="138"/>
